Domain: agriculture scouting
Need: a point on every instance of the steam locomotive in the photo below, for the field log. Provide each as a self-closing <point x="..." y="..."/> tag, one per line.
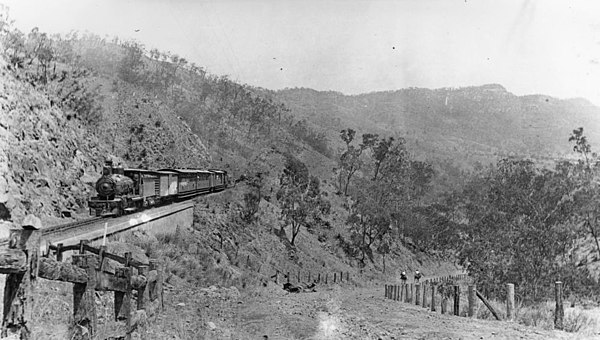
<point x="121" y="191"/>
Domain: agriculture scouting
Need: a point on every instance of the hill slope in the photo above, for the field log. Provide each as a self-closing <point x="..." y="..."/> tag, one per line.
<point x="466" y="124"/>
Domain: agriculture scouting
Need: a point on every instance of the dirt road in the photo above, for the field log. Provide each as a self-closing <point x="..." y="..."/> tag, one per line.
<point x="344" y="313"/>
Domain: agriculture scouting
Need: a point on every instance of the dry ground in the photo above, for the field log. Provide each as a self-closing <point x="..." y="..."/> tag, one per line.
<point x="334" y="312"/>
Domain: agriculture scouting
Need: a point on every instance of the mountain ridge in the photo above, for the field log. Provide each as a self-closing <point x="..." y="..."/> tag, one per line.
<point x="485" y="120"/>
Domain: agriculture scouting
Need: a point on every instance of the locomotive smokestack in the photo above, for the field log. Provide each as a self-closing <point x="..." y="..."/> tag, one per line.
<point x="107" y="169"/>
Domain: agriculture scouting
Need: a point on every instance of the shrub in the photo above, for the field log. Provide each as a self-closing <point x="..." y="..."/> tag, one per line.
<point x="577" y="320"/>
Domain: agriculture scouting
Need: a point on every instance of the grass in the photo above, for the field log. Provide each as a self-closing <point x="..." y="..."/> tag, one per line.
<point x="576" y="320"/>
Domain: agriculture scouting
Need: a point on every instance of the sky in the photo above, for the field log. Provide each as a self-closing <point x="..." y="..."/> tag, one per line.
<point x="530" y="47"/>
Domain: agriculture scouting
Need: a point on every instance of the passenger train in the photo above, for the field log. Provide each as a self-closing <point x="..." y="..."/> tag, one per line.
<point x="121" y="191"/>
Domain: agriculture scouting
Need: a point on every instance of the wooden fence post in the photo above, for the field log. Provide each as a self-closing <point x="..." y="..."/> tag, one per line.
<point x="487" y="304"/>
<point x="411" y="293"/>
<point x="347" y="276"/>
<point x="143" y="296"/>
<point x="84" y="305"/>
<point x="444" y="305"/>
<point x="559" y="312"/>
<point x="288" y="277"/>
<point x="385" y="291"/>
<point x="334" y="277"/>
<point x="298" y="276"/>
<point x="326" y="276"/>
<point x="433" y="286"/>
<point x="59" y="252"/>
<point x="417" y="294"/>
<point x="510" y="301"/>
<point x="472" y="300"/>
<point x="424" y="305"/>
<point x="456" y="300"/>
<point x="155" y="287"/>
<point x="341" y="276"/>
<point x="401" y="298"/>
<point x="396" y="292"/>
<point x="123" y="299"/>
<point x="309" y="276"/>
<point x="20" y="262"/>
<point x="319" y="278"/>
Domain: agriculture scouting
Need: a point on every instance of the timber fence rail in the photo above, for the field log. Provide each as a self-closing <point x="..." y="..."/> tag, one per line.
<point x="427" y="293"/>
<point x="89" y="271"/>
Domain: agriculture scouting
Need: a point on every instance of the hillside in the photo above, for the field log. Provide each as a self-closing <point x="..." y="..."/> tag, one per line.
<point x="479" y="123"/>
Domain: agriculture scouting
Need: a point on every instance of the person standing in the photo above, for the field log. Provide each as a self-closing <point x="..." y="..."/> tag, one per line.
<point x="417" y="276"/>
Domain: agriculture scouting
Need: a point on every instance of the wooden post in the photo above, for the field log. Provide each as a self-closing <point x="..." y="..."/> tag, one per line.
<point x="319" y="278"/>
<point x="84" y="304"/>
<point x="406" y="292"/>
<point x="20" y="261"/>
<point x="156" y="287"/>
<point x="334" y="277"/>
<point x="341" y="276"/>
<point x="142" y="293"/>
<point x="487" y="304"/>
<point x="59" y="252"/>
<point x="309" y="276"/>
<point x="411" y="293"/>
<point x="456" y="300"/>
<point x="385" y="290"/>
<point x="510" y="301"/>
<point x="444" y="305"/>
<point x="433" y="286"/>
<point x="418" y="294"/>
<point x="401" y="298"/>
<point x="472" y="300"/>
<point x="559" y="312"/>
<point x="347" y="276"/>
<point x="288" y="277"/>
<point x="396" y="292"/>
<point x="82" y="244"/>
<point x="298" y="276"/>
<point x="424" y="305"/>
<point x="326" y="276"/>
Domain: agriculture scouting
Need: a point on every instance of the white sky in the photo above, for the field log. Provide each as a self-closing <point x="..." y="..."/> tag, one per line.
<point x="546" y="46"/>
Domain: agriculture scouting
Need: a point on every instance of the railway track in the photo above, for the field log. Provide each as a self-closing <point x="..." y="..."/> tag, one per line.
<point x="63" y="228"/>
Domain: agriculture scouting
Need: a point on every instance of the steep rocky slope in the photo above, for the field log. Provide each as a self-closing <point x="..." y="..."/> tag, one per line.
<point x="49" y="161"/>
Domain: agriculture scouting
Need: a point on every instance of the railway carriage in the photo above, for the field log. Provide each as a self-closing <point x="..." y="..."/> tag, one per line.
<point x="220" y="179"/>
<point x="192" y="182"/>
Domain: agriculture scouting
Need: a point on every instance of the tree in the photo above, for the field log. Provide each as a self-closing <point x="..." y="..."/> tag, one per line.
<point x="581" y="144"/>
<point x="370" y="217"/>
<point x="380" y="152"/>
<point x="587" y="192"/>
<point x="514" y="228"/>
<point x="350" y="160"/>
<point x="252" y="197"/>
<point x="131" y="64"/>
<point x="299" y="197"/>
